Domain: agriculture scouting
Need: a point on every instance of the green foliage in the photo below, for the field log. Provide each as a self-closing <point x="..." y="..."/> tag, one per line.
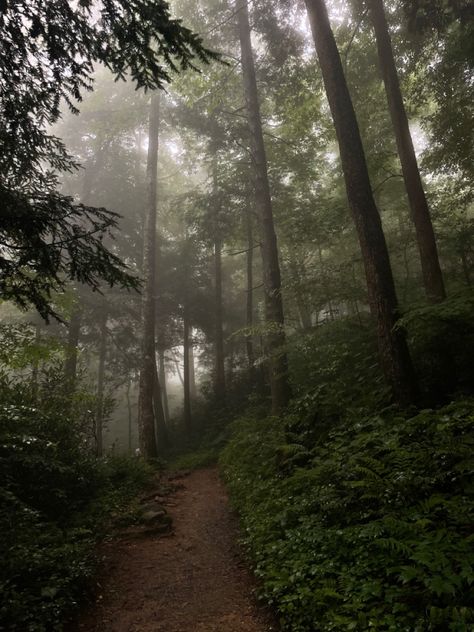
<point x="331" y="367"/>
<point x="372" y="529"/>
<point x="77" y="252"/>
<point x="55" y="501"/>
<point x="195" y="460"/>
<point x="48" y="53"/>
<point x="441" y="338"/>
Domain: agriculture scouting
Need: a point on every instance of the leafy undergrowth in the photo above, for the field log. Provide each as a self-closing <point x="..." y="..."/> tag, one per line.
<point x="369" y="527"/>
<point x="56" y="501"/>
<point x="202" y="457"/>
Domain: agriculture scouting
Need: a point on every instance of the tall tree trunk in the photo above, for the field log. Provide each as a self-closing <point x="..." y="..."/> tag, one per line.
<point x="432" y="276"/>
<point x="99" y="420"/>
<point x="219" y="369"/>
<point x="176" y="361"/>
<point x="161" y="429"/>
<point x="249" y="306"/>
<point x="395" y="358"/>
<point x="70" y="363"/>
<point x="35" y="366"/>
<point x="275" y="339"/>
<point x="230" y="363"/>
<point x="94" y="169"/>
<point x="164" y="389"/>
<point x="325" y="284"/>
<point x="186" y="380"/>
<point x="219" y="357"/>
<point x="465" y="266"/>
<point x="138" y="157"/>
<point x="129" y="411"/>
<point x="192" y="369"/>
<point x="303" y="311"/>
<point x="146" y="416"/>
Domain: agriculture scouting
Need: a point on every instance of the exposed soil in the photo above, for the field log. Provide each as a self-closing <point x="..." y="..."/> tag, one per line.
<point x="192" y="580"/>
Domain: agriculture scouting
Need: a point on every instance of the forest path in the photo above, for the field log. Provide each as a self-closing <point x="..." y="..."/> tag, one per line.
<point x="193" y="580"/>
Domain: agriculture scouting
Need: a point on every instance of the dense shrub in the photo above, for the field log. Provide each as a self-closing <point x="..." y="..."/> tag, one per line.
<point x="441" y="339"/>
<point x="55" y="500"/>
<point x="371" y="528"/>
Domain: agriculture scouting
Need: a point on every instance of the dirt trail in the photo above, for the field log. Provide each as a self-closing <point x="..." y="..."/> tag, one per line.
<point x="191" y="581"/>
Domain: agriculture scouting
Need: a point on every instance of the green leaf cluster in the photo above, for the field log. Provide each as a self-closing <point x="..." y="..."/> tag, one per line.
<point x="369" y="529"/>
<point x="55" y="501"/>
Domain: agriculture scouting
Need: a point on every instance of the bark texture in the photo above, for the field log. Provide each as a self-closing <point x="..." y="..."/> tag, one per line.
<point x="275" y="341"/>
<point x="249" y="305"/>
<point x="420" y="212"/>
<point x="394" y="354"/>
<point x="164" y="388"/>
<point x="161" y="429"/>
<point x="219" y="370"/>
<point x="146" y="413"/>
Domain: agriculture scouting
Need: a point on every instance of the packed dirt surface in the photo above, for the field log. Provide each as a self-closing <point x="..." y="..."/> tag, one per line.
<point x="192" y="580"/>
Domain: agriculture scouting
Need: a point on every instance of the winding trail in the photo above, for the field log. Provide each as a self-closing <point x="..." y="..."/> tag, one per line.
<point x="193" y="580"/>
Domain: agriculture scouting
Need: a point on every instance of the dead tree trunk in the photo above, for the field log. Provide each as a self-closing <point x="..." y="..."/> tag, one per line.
<point x="275" y="342"/>
<point x="420" y="212"/>
<point x="395" y="358"/>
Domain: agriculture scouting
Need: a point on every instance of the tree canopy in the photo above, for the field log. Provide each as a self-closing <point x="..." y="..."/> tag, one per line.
<point x="48" y="52"/>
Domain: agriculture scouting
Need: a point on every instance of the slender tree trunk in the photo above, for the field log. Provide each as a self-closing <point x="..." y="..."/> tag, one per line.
<point x="161" y="430"/>
<point x="230" y="363"/>
<point x="395" y="358"/>
<point x="249" y="306"/>
<point x="356" y="302"/>
<point x="303" y="311"/>
<point x="146" y="411"/>
<point x="275" y="339"/>
<point x="70" y="364"/>
<point x="219" y="370"/>
<point x="326" y="286"/>
<point x="129" y="410"/>
<point x="465" y="267"/>
<point x="99" y="420"/>
<point x="35" y="367"/>
<point x="164" y="389"/>
<point x="432" y="276"/>
<point x="219" y="357"/>
<point x="94" y="169"/>
<point x="178" y="370"/>
<point x="186" y="380"/>
<point x="138" y="157"/>
<point x="192" y="369"/>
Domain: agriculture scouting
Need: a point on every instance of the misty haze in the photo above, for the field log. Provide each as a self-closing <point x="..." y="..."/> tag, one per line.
<point x="236" y="316"/>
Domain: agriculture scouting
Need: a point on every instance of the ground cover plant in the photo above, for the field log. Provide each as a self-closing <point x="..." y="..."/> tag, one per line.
<point x="371" y="528"/>
<point x="237" y="227"/>
<point x="56" y="502"/>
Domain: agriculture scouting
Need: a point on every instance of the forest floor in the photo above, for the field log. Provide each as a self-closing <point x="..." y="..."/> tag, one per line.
<point x="190" y="580"/>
